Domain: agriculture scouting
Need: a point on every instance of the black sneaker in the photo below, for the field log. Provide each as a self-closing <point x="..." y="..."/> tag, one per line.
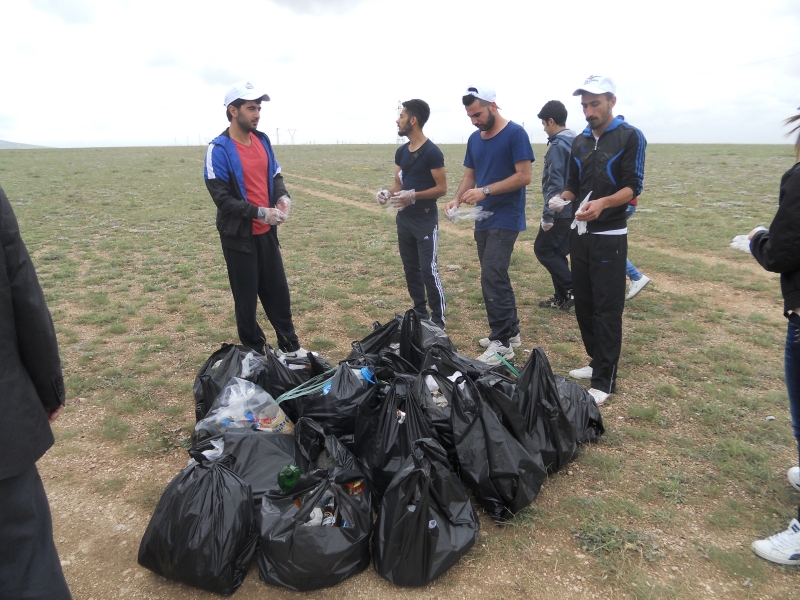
<point x="553" y="302"/>
<point x="568" y="303"/>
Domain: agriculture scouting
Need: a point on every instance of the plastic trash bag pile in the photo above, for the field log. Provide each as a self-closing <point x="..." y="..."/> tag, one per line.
<point x="318" y="471"/>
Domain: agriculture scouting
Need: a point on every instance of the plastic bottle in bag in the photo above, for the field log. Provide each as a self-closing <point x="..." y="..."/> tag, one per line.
<point x="272" y="418"/>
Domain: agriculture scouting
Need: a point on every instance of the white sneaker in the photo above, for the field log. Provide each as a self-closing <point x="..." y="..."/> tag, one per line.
<point x="793" y="475"/>
<point x="299" y="353"/>
<point x="490" y="356"/>
<point x="637" y="286"/>
<point x="514" y="342"/>
<point x="582" y="373"/>
<point x="782" y="548"/>
<point x="599" y="396"/>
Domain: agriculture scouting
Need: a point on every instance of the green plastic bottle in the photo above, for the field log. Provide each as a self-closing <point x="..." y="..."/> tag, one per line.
<point x="288" y="476"/>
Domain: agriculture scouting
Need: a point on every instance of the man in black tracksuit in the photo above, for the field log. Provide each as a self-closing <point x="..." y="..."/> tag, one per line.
<point x="419" y="181"/>
<point x="607" y="160"/>
<point x="245" y="182"/>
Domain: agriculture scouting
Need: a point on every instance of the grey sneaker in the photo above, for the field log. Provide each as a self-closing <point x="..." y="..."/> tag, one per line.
<point x="299" y="353"/>
<point x="582" y="373"/>
<point x="599" y="396"/>
<point x="490" y="357"/>
<point x="637" y="286"/>
<point x="514" y="342"/>
<point x="793" y="475"/>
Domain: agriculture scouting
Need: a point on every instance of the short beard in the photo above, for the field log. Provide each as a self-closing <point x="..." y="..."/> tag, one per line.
<point x="404" y="131"/>
<point x="244" y="124"/>
<point x="489" y="122"/>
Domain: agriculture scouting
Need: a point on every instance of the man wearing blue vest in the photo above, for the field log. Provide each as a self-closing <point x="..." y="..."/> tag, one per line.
<point x="606" y="173"/>
<point x="246" y="184"/>
<point x="498" y="167"/>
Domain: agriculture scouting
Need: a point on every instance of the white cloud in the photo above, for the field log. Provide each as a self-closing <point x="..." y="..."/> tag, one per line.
<point x="74" y="12"/>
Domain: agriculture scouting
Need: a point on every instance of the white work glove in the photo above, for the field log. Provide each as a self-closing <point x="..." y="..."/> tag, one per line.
<point x="403" y="198"/>
<point x="557" y="203"/>
<point x="382" y="196"/>
<point x="546" y="225"/>
<point x="271" y="216"/>
<point x="284" y="205"/>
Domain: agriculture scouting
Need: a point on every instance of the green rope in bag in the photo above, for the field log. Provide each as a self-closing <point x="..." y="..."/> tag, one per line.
<point x="507" y="364"/>
<point x="312" y="386"/>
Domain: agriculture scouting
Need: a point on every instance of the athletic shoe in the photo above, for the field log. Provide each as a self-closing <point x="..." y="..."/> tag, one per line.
<point x="582" y="373"/>
<point x="490" y="356"/>
<point x="514" y="342"/>
<point x="637" y="286"/>
<point x="782" y="548"/>
<point x="793" y="475"/>
<point x="553" y="302"/>
<point x="568" y="303"/>
<point x="599" y="396"/>
<point x="299" y="353"/>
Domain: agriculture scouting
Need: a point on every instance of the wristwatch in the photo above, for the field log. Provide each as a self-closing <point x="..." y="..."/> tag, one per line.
<point x="486" y="191"/>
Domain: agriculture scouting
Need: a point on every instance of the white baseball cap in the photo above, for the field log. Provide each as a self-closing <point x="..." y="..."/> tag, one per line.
<point x="245" y="90"/>
<point x="481" y="92"/>
<point x="597" y="84"/>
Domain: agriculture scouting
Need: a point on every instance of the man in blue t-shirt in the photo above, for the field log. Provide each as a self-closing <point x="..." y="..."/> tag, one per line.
<point x="419" y="181"/>
<point x="498" y="167"/>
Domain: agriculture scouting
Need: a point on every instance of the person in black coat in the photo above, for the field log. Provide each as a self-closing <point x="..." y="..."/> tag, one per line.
<point x="31" y="398"/>
<point x="778" y="250"/>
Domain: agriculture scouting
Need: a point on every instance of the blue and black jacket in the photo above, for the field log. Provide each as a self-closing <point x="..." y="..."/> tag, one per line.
<point x="556" y="172"/>
<point x="604" y="167"/>
<point x="225" y="182"/>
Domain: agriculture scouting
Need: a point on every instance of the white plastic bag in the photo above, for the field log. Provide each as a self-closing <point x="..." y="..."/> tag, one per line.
<point x="243" y="405"/>
<point x="742" y="242"/>
<point x="456" y="214"/>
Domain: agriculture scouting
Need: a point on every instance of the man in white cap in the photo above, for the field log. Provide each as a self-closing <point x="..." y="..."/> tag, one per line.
<point x="498" y="167"/>
<point x="606" y="173"/>
<point x="246" y="184"/>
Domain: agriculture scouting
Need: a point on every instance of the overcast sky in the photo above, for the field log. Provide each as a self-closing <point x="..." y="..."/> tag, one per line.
<point x="147" y="72"/>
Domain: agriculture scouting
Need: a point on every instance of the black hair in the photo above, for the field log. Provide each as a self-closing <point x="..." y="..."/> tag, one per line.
<point x="789" y="121"/>
<point x="554" y="110"/>
<point x="469" y="99"/>
<point x="418" y="108"/>
<point x="237" y="104"/>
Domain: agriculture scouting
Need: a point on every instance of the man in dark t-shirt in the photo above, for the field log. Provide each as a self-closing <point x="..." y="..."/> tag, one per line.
<point x="419" y="181"/>
<point x="498" y="167"/>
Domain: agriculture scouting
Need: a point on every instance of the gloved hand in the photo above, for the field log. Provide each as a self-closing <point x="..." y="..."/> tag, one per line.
<point x="382" y="196"/>
<point x="403" y="198"/>
<point x="546" y="225"/>
<point x="284" y="205"/>
<point x="271" y="216"/>
<point x="557" y="203"/>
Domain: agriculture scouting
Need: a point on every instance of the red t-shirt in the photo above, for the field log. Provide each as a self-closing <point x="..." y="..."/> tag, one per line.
<point x="254" y="167"/>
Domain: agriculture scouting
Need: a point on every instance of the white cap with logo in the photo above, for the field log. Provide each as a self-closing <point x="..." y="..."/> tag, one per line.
<point x="597" y="84"/>
<point x="481" y="92"/>
<point x="245" y="90"/>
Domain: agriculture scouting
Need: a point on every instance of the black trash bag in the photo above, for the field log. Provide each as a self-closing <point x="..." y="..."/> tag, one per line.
<point x="425" y="522"/>
<point x="437" y="408"/>
<point x="381" y="338"/>
<point x="283" y="379"/>
<point x="390" y="365"/>
<point x="203" y="532"/>
<point x="223" y="365"/>
<point x="305" y="557"/>
<point x="417" y="335"/>
<point x="385" y="431"/>
<point x="448" y="361"/>
<point x="259" y="457"/>
<point x="316" y="449"/>
<point x="581" y="410"/>
<point x="308" y="366"/>
<point x="335" y="409"/>
<point x="546" y="420"/>
<point x="502" y="469"/>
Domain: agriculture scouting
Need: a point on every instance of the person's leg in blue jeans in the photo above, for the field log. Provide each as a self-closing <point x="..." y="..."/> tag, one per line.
<point x="638" y="281"/>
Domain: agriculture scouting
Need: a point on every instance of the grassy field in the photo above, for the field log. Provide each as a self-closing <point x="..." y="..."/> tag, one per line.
<point x="691" y="468"/>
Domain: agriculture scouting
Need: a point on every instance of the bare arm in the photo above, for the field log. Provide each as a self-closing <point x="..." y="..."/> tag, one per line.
<point x="520" y="178"/>
<point x="467" y="182"/>
<point x="437" y="191"/>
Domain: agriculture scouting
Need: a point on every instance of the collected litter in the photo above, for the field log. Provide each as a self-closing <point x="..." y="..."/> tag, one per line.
<point x="405" y="424"/>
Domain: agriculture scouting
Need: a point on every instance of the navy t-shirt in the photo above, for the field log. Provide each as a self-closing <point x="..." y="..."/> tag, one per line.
<point x="419" y="177"/>
<point x="493" y="160"/>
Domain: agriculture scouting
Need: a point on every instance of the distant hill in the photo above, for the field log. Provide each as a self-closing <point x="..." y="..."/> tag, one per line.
<point x="4" y="145"/>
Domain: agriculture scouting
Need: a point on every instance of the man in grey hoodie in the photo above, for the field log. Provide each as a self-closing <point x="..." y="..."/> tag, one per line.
<point x="552" y="243"/>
